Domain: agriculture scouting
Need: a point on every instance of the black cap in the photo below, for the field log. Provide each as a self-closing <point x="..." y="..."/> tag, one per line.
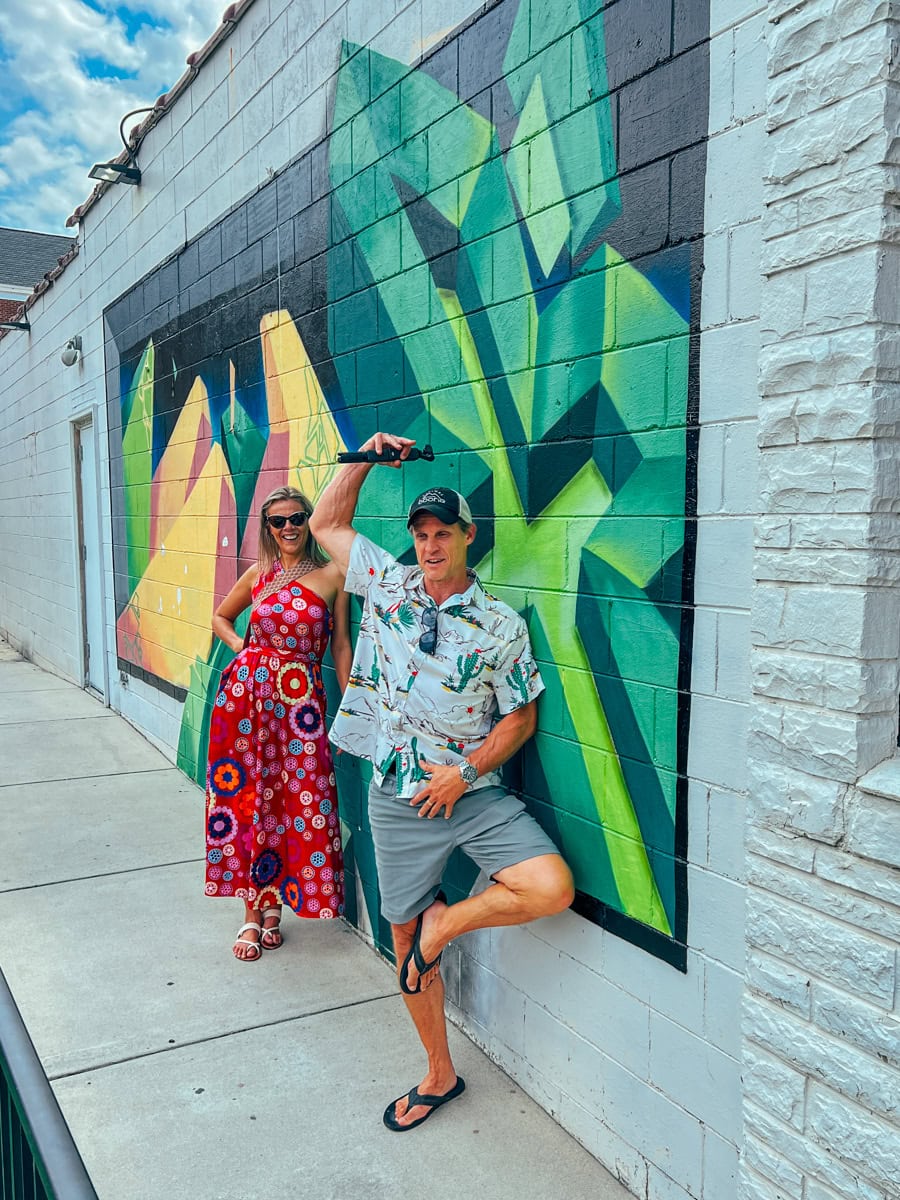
<point x="445" y="504"/>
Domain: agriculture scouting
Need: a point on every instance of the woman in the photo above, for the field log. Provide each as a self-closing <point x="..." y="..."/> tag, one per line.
<point x="272" y="828"/>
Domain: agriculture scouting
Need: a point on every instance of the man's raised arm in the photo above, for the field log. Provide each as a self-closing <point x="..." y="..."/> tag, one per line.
<point x="332" y="521"/>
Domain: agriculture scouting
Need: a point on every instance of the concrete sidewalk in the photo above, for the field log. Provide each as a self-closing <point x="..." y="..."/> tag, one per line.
<point x="182" y="1072"/>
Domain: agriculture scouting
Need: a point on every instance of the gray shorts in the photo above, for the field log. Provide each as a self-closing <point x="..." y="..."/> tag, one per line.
<point x="411" y="852"/>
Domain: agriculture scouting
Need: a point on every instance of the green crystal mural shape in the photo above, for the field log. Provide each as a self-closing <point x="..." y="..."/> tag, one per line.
<point x="551" y="375"/>
<point x="498" y="367"/>
<point x="137" y="465"/>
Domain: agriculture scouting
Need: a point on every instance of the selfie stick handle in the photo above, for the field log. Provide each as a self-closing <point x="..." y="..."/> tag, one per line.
<point x="388" y="454"/>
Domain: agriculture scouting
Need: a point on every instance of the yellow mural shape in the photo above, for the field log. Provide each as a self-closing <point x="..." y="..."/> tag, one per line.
<point x="297" y="406"/>
<point x="194" y="561"/>
<point x="177" y="473"/>
<point x="303" y="441"/>
<point x="167" y="624"/>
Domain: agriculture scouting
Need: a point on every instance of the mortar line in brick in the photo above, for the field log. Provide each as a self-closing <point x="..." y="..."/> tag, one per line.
<point x="856" y="930"/>
<point x="824" y="884"/>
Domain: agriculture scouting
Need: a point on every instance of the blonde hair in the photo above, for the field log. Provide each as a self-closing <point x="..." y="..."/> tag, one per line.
<point x="268" y="547"/>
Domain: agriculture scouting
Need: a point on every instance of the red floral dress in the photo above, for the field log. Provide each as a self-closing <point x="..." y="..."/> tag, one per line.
<point x="272" y="830"/>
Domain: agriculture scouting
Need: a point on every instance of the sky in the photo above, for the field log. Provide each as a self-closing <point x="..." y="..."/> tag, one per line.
<point x="71" y="70"/>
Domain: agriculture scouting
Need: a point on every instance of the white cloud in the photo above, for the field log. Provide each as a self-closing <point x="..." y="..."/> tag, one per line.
<point x="59" y="116"/>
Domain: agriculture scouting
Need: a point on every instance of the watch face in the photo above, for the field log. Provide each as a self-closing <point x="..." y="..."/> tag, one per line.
<point x="467" y="772"/>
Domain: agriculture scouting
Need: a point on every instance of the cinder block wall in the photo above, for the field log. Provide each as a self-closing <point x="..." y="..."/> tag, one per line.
<point x="38" y="590"/>
<point x="635" y="1056"/>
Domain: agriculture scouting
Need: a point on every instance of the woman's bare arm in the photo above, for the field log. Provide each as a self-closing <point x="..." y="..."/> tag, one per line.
<point x="341" y="647"/>
<point x="239" y="598"/>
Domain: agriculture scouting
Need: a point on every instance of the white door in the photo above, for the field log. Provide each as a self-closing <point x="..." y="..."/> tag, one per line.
<point x="91" y="557"/>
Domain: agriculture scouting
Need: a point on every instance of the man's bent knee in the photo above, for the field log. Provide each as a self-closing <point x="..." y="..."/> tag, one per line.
<point x="558" y="888"/>
<point x="543" y="884"/>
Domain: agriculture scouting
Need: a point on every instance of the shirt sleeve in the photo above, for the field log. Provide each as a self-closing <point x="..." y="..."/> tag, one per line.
<point x="517" y="680"/>
<point x="368" y="564"/>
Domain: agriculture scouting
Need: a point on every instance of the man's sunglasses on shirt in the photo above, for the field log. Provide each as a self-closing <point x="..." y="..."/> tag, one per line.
<point x="296" y="519"/>
<point x="428" y="640"/>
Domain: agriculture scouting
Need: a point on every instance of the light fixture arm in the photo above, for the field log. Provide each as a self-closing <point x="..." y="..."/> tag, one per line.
<point x="118" y="172"/>
<point x="71" y="351"/>
<point x="131" y="150"/>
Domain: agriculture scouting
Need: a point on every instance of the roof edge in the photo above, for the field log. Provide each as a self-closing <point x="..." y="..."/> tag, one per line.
<point x="163" y="103"/>
<point x="43" y="284"/>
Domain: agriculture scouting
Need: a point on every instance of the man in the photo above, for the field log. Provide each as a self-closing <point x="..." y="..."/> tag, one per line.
<point x="437" y="661"/>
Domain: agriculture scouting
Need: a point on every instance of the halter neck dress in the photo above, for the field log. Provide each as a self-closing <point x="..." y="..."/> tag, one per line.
<point x="272" y="829"/>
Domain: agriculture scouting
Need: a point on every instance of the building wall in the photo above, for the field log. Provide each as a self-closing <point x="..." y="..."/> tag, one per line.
<point x="821" y="1028"/>
<point x="529" y="232"/>
<point x="38" y="570"/>
<point x="641" y="1063"/>
<point x="499" y="250"/>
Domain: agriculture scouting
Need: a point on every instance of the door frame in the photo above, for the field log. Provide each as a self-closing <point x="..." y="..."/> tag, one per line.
<point x="78" y="423"/>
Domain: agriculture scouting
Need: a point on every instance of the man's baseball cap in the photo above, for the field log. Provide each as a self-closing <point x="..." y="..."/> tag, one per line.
<point x="445" y="504"/>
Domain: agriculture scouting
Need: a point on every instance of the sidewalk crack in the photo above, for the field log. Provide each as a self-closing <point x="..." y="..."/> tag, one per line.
<point x="217" y="1037"/>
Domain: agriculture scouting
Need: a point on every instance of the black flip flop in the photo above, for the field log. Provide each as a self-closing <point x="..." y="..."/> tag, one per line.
<point x="415" y="955"/>
<point x="415" y="1097"/>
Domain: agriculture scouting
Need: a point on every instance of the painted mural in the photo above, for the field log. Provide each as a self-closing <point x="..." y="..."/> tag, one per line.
<point x="496" y="251"/>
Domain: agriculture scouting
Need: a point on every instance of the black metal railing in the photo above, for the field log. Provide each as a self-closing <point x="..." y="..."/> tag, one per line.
<point x="38" y="1158"/>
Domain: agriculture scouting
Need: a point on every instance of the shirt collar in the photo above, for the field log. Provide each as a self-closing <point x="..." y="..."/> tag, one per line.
<point x="473" y="595"/>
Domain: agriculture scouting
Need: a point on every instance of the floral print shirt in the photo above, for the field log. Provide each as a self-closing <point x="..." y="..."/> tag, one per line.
<point x="401" y="704"/>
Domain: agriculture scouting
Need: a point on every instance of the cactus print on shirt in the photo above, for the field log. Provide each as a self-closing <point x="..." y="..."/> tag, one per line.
<point x="403" y="706"/>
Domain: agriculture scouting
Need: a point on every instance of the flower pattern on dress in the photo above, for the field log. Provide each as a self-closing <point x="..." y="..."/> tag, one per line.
<point x="226" y="777"/>
<point x="290" y="891"/>
<point x="219" y="825"/>
<point x="293" y="682"/>
<point x="269" y="714"/>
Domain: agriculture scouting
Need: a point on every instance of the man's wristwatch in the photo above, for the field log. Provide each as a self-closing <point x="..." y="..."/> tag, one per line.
<point x="468" y="772"/>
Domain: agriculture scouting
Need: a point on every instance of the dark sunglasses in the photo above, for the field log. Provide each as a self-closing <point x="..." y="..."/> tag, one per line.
<point x="428" y="640"/>
<point x="296" y="519"/>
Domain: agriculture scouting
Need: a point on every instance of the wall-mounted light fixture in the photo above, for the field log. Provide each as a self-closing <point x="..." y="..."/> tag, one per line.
<point x="71" y="351"/>
<point x="113" y="172"/>
<point x="117" y="172"/>
<point x="23" y="324"/>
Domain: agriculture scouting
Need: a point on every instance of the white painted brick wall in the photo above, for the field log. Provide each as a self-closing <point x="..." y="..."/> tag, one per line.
<point x="820" y="1018"/>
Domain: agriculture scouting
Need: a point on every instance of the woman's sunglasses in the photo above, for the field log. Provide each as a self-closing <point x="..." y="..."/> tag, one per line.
<point x="296" y="519"/>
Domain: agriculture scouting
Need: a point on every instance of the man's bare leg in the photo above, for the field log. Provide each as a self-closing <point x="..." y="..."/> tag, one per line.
<point x="427" y="1011"/>
<point x="537" y="887"/>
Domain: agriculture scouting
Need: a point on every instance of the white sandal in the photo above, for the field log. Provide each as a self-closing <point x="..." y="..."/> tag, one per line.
<point x="246" y="942"/>
<point x="272" y="928"/>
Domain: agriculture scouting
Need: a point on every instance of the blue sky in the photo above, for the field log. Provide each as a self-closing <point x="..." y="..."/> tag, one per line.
<point x="71" y="70"/>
